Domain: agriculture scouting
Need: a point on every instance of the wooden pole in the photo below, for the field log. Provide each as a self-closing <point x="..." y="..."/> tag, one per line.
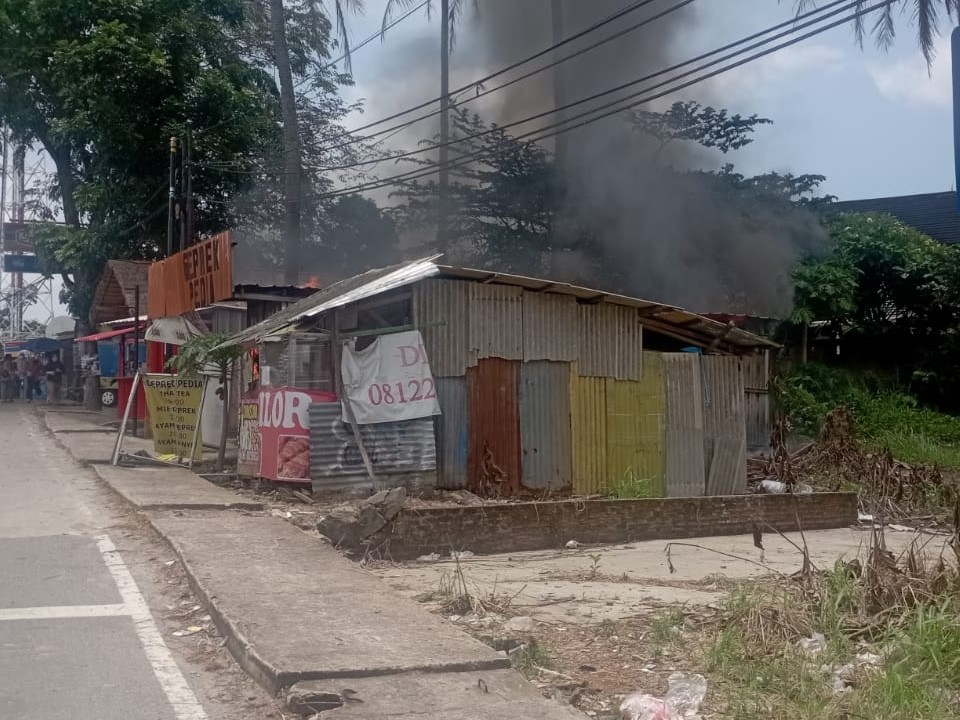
<point x="345" y="402"/>
<point x="196" y="429"/>
<point x="126" y="416"/>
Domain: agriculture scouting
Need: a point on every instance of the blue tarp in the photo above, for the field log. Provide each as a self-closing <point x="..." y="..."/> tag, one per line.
<point x="42" y="345"/>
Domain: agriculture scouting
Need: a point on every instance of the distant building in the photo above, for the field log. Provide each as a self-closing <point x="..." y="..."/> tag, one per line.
<point x="933" y="214"/>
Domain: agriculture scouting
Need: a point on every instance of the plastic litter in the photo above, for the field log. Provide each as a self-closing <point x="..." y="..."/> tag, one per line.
<point x="432" y="557"/>
<point x="572" y="545"/>
<point x="685" y="694"/>
<point x="813" y="645"/>
<point x="187" y="632"/>
<point x="775" y="487"/>
<point x="461" y="555"/>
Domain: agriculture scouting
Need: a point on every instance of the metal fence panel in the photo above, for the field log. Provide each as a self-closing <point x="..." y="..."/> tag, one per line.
<point x="611" y="341"/>
<point x="684" y="433"/>
<point x="550" y="327"/>
<point x="496" y="321"/>
<point x="442" y="309"/>
<point x="493" y="453"/>
<point x="545" y="425"/>
<point x="588" y="410"/>
<point x="759" y="414"/>
<point x="395" y="448"/>
<point x="725" y="433"/>
<point x="453" y="433"/>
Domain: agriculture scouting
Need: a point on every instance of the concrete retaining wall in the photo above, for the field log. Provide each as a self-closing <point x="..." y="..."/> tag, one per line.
<point x="544" y="525"/>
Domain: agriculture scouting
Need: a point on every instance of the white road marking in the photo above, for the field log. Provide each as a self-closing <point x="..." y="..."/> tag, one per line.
<point x="178" y="692"/>
<point x="54" y="612"/>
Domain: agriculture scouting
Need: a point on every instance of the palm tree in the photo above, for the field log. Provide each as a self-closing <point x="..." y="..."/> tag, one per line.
<point x="450" y="13"/>
<point x="926" y="13"/>
<point x="292" y="152"/>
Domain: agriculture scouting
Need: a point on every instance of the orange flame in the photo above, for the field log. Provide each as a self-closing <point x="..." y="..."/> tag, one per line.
<point x="313" y="283"/>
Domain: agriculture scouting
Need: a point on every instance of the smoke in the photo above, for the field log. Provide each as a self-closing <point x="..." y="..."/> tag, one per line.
<point x="674" y="236"/>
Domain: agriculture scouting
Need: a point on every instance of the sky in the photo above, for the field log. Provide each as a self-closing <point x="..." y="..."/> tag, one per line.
<point x="874" y="122"/>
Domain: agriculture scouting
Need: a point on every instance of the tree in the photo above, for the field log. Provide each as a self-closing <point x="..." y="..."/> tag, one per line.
<point x="927" y="14"/>
<point x="101" y="87"/>
<point x="705" y="126"/>
<point x="450" y="13"/>
<point x="202" y="353"/>
<point x="892" y="293"/>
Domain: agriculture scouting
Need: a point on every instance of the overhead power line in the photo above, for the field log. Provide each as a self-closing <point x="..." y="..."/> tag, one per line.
<point x="812" y="17"/>
<point x="856" y="5"/>
<point x="433" y="101"/>
<point x="509" y="83"/>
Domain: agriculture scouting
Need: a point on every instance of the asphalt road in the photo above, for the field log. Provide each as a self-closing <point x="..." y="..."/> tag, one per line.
<point x="79" y="639"/>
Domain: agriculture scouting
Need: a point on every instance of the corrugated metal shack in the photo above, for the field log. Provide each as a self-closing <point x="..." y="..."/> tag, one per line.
<point x="544" y="387"/>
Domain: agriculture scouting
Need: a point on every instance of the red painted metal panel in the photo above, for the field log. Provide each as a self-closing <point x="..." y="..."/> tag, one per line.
<point x="493" y="457"/>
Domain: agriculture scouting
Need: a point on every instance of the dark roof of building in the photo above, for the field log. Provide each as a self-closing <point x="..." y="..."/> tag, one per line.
<point x="116" y="293"/>
<point x="933" y="214"/>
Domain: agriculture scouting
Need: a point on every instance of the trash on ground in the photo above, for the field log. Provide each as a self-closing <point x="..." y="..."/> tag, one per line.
<point x="432" y="557"/>
<point x="187" y="632"/>
<point x="461" y="555"/>
<point x="813" y="645"/>
<point x="572" y="545"/>
<point x="685" y="694"/>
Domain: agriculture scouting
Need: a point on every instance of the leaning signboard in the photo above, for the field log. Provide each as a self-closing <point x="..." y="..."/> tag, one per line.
<point x="173" y="404"/>
<point x="389" y="381"/>
<point x="248" y="437"/>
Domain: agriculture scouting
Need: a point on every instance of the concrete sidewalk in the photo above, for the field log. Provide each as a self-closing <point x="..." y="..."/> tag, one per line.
<point x="296" y="614"/>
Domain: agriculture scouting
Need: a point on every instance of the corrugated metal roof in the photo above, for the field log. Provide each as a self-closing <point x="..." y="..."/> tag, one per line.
<point x="370" y="283"/>
<point x="659" y="318"/>
<point x="933" y="214"/>
<point x="545" y="425"/>
<point x="684" y="434"/>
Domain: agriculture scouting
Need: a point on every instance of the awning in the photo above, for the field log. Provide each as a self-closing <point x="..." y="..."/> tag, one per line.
<point x="106" y="335"/>
<point x="171" y="330"/>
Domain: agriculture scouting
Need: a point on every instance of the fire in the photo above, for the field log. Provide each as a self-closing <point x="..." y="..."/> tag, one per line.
<point x="313" y="282"/>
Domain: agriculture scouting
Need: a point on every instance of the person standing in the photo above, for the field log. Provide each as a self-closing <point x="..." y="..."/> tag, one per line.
<point x="8" y="379"/>
<point x="34" y="375"/>
<point x="54" y="373"/>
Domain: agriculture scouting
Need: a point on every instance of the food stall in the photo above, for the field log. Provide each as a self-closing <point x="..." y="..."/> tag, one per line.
<point x="117" y="364"/>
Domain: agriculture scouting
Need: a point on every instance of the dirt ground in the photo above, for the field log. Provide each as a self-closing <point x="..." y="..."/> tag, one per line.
<point x="593" y="624"/>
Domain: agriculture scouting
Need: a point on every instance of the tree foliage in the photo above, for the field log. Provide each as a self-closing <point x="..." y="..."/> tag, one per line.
<point x="706" y="126"/>
<point x="892" y="293"/>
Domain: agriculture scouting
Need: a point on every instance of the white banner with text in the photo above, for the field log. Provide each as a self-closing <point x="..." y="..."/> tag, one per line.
<point x="388" y="381"/>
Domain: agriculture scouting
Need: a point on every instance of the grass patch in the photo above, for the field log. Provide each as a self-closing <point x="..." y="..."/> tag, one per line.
<point x="633" y="485"/>
<point x="531" y="656"/>
<point x="892" y="651"/>
<point x="885" y="416"/>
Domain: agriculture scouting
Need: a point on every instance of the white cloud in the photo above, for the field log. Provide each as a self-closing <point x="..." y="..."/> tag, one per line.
<point x="778" y="68"/>
<point x="908" y="80"/>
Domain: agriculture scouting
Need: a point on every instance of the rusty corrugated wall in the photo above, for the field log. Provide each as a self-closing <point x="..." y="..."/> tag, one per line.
<point x="496" y="321"/>
<point x="725" y="430"/>
<point x="442" y="309"/>
<point x="493" y="453"/>
<point x="453" y="432"/>
<point x="545" y="426"/>
<point x="610" y="341"/>
<point x="685" y="475"/>
<point x="588" y="411"/>
<point x="550" y="327"/>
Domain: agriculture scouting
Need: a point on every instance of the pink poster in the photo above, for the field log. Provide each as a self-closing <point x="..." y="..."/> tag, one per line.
<point x="285" y="432"/>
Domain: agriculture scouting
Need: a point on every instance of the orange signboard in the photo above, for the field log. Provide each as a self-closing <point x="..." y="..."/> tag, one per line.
<point x="191" y="279"/>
